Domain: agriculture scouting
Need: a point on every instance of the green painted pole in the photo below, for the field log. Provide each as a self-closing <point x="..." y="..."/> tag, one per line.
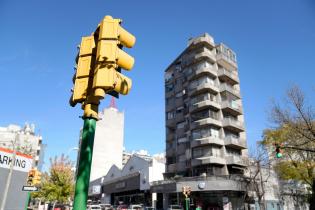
<point x="27" y="200"/>
<point x="84" y="169"/>
<point x="187" y="203"/>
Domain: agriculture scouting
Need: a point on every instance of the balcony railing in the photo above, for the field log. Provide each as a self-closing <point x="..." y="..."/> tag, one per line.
<point x="223" y="73"/>
<point x="206" y="121"/>
<point x="207" y="140"/>
<point x="208" y="160"/>
<point x="236" y="160"/>
<point x="205" y="54"/>
<point x="201" y="71"/>
<point x="204" y="86"/>
<point x="203" y="104"/>
<point x="233" y="124"/>
<point x="225" y="61"/>
<point x="225" y="87"/>
<point x="231" y="107"/>
<point x="235" y="142"/>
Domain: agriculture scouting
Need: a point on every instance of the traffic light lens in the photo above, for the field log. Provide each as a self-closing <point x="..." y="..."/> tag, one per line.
<point x="279" y="155"/>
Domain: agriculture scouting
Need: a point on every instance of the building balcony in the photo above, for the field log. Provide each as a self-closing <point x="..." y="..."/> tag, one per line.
<point x="228" y="76"/>
<point x="206" y="39"/>
<point x="170" y="151"/>
<point x="232" y="108"/>
<point x="208" y="160"/>
<point x="225" y="61"/>
<point x="204" y="55"/>
<point x="225" y="87"/>
<point x="236" y="160"/>
<point x="170" y="136"/>
<point x="203" y="88"/>
<point x="181" y="166"/>
<point x="205" y="122"/>
<point x="206" y="141"/>
<point x="236" y="143"/>
<point x="171" y="168"/>
<point x="203" y="105"/>
<point x="233" y="125"/>
<point x="202" y="71"/>
<point x="169" y="94"/>
<point x="171" y="123"/>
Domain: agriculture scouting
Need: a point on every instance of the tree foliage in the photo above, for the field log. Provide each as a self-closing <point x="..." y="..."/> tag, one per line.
<point x="58" y="184"/>
<point x="295" y="131"/>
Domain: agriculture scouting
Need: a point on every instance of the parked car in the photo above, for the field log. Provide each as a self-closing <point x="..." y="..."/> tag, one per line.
<point x="135" y="207"/>
<point x="94" y="207"/>
<point x="106" y="206"/>
<point x="122" y="207"/>
<point x="175" y="207"/>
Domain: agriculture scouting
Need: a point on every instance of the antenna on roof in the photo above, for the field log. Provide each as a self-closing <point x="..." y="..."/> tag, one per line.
<point x="113" y="103"/>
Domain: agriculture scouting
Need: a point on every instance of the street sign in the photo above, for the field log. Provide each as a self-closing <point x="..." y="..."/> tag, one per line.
<point x="30" y="188"/>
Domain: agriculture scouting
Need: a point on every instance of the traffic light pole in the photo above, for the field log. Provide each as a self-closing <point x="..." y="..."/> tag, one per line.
<point x="27" y="200"/>
<point x="85" y="160"/>
<point x="187" y="203"/>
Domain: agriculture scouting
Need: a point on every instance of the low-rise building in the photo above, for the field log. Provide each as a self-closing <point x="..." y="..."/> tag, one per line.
<point x="129" y="185"/>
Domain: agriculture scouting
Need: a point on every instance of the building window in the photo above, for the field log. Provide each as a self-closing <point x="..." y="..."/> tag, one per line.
<point x="168" y="76"/>
<point x="182" y="140"/>
<point x="179" y="94"/>
<point x="170" y="115"/>
<point x="169" y="87"/>
<point x="205" y="132"/>
<point x="181" y="125"/>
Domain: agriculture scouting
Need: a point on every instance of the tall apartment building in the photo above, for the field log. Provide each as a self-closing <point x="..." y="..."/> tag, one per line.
<point x="108" y="142"/>
<point x="205" y="133"/>
<point x="24" y="140"/>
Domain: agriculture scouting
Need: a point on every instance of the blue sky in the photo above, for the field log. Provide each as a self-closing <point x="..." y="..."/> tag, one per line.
<point x="274" y="42"/>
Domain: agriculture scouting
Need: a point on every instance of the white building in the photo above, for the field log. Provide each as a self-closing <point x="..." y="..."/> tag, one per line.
<point x="24" y="140"/>
<point x="108" y="142"/>
<point x="129" y="185"/>
<point x="142" y="154"/>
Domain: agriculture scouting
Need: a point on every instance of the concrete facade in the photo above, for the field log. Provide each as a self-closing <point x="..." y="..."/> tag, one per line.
<point x="205" y="132"/>
<point x="108" y="142"/>
<point x="25" y="141"/>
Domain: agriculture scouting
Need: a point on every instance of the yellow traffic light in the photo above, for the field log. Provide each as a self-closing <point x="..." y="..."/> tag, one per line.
<point x="34" y="177"/>
<point x="30" y="177"/>
<point x="110" y="58"/>
<point x="85" y="70"/>
<point x="37" y="178"/>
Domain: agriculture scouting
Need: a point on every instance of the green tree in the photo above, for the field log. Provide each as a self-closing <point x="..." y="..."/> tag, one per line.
<point x="58" y="184"/>
<point x="295" y="131"/>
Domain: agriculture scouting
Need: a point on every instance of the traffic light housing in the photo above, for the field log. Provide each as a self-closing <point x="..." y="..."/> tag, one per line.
<point x="110" y="58"/>
<point x="186" y="191"/>
<point x="99" y="63"/>
<point x="278" y="151"/>
<point x="34" y="177"/>
<point x="30" y="177"/>
<point x="37" y="178"/>
<point x="84" y="70"/>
